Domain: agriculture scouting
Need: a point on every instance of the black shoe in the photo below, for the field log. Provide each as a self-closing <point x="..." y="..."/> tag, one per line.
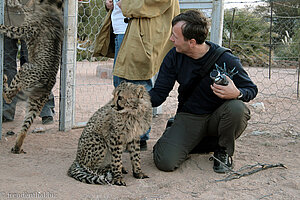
<point x="226" y="160"/>
<point x="47" y="120"/>
<point x="4" y="119"/>
<point x="143" y="145"/>
<point x="10" y="133"/>
<point x="170" y="122"/>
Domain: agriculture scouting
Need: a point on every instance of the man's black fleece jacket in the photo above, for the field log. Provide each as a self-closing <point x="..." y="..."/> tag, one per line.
<point x="181" y="68"/>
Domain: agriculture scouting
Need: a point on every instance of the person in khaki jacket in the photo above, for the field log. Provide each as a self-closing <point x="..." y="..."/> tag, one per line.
<point x="13" y="16"/>
<point x="145" y="43"/>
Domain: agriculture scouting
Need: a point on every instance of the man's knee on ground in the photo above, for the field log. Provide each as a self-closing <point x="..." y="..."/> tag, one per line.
<point x="163" y="160"/>
<point x="164" y="164"/>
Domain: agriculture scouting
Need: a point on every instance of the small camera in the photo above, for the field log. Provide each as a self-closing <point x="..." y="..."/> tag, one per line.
<point x="218" y="78"/>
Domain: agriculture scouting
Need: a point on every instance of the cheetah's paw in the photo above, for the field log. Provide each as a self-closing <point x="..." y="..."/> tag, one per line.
<point x="140" y="175"/>
<point x="118" y="181"/>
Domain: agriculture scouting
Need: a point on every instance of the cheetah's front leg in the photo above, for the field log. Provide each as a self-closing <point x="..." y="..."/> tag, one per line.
<point x="134" y="150"/>
<point x="116" y="149"/>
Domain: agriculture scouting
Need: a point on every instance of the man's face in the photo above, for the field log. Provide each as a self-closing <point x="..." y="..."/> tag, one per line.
<point x="182" y="46"/>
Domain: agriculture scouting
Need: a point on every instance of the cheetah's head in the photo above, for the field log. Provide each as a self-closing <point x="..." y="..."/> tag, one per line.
<point x="129" y="97"/>
<point x="59" y="3"/>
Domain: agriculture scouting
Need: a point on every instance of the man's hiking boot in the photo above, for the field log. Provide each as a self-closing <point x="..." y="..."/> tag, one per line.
<point x="226" y="160"/>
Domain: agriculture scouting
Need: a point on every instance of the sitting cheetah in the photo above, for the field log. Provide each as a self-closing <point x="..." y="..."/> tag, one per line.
<point x="42" y="31"/>
<point x="112" y="128"/>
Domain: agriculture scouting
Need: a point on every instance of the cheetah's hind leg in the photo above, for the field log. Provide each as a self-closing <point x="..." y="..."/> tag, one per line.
<point x="34" y="107"/>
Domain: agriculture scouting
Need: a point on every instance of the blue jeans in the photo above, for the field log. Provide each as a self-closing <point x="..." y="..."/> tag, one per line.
<point x="117" y="80"/>
<point x="118" y="42"/>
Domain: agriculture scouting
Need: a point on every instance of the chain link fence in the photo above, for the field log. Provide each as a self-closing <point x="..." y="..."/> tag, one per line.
<point x="93" y="75"/>
<point x="265" y="35"/>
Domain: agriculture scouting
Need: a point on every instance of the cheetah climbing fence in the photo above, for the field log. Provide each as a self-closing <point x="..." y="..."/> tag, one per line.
<point x="264" y="34"/>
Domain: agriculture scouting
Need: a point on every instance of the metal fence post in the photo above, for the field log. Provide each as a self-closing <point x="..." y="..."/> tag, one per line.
<point x="270" y="42"/>
<point x="217" y="22"/>
<point x="68" y="67"/>
<point x="298" y="77"/>
<point x="1" y="64"/>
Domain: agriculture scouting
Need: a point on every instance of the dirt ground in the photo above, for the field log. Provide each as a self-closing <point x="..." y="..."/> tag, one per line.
<point x="42" y="172"/>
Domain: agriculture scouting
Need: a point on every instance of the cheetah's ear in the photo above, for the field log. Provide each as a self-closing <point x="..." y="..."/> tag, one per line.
<point x="30" y="4"/>
<point x="140" y="91"/>
<point x="116" y="93"/>
<point x="123" y="82"/>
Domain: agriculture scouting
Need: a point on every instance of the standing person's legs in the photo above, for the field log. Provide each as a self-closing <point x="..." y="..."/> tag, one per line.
<point x="23" y="60"/>
<point x="118" y="41"/>
<point x="172" y="149"/>
<point x="48" y="110"/>
<point x="23" y="53"/>
<point x="10" y="70"/>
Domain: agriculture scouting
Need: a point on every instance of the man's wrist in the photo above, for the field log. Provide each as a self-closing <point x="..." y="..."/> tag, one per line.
<point x="240" y="95"/>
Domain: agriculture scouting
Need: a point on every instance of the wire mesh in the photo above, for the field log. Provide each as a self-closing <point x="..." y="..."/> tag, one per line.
<point x="265" y="36"/>
<point x="93" y="75"/>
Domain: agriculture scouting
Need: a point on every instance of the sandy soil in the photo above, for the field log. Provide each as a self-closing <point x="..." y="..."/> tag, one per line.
<point x="42" y="172"/>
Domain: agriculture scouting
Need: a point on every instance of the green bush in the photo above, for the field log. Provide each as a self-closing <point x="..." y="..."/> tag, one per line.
<point x="249" y="34"/>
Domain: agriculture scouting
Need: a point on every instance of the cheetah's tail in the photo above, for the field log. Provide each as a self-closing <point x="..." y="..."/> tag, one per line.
<point x="86" y="175"/>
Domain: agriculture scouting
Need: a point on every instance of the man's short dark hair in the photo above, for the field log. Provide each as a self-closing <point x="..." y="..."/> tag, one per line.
<point x="195" y="27"/>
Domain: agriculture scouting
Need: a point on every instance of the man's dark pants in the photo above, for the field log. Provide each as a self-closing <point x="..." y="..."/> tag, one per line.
<point x="190" y="132"/>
